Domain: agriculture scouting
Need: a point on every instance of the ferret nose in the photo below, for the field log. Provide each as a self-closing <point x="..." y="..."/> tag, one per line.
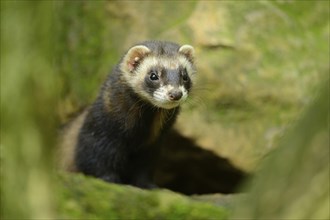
<point x="175" y="95"/>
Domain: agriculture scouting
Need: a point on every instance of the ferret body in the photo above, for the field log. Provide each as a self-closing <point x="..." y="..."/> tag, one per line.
<point x="117" y="137"/>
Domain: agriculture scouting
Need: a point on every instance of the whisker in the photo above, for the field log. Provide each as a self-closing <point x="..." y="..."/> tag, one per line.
<point x="196" y="101"/>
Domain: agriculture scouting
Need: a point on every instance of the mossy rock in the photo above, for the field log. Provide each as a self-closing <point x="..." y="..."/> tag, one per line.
<point x="87" y="197"/>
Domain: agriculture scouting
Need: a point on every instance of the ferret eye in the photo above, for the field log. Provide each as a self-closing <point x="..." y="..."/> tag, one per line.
<point x="154" y="76"/>
<point x="185" y="75"/>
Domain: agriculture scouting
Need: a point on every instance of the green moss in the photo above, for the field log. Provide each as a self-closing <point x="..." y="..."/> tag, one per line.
<point x="87" y="197"/>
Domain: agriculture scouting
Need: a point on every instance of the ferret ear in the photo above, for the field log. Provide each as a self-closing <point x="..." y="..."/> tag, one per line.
<point x="188" y="51"/>
<point x="134" y="56"/>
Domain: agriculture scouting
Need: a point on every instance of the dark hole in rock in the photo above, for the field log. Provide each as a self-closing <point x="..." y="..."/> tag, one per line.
<point x="187" y="168"/>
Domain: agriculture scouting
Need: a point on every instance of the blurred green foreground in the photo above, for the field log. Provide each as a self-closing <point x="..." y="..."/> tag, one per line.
<point x="262" y="73"/>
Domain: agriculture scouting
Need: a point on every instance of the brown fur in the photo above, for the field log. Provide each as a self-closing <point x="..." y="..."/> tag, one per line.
<point x="106" y="99"/>
<point x="157" y="125"/>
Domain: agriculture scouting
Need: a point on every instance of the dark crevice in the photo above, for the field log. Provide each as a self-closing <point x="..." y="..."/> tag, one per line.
<point x="189" y="169"/>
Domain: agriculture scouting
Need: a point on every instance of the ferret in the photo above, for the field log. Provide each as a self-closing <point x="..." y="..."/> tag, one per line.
<point x="117" y="138"/>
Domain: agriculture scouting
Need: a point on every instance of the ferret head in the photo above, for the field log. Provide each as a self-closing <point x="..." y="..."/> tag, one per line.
<point x="160" y="72"/>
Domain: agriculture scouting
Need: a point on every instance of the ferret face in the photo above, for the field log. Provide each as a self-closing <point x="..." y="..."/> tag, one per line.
<point x="160" y="72"/>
